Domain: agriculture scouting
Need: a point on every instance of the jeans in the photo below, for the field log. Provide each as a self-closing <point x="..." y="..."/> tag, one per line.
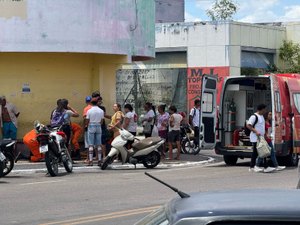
<point x="196" y="136"/>
<point x="94" y="134"/>
<point x="272" y="156"/>
<point x="9" y="130"/>
<point x="254" y="155"/>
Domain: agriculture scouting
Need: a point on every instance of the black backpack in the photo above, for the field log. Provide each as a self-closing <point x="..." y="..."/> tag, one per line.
<point x="246" y="130"/>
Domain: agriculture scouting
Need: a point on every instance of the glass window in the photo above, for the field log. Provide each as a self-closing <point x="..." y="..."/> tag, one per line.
<point x="207" y="105"/>
<point x="256" y="59"/>
<point x="277" y="102"/>
<point x="211" y="84"/>
<point x="296" y="97"/>
<point x="157" y="217"/>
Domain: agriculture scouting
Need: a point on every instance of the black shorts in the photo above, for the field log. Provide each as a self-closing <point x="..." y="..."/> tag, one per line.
<point x="174" y="136"/>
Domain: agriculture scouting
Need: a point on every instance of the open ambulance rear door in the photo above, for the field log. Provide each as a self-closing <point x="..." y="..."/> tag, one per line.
<point x="208" y="112"/>
<point x="294" y="91"/>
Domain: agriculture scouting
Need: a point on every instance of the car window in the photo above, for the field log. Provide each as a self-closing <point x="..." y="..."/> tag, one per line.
<point x="157" y="217"/>
<point x="255" y="223"/>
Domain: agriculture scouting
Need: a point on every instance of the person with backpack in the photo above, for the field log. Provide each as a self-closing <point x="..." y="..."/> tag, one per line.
<point x="61" y="116"/>
<point x="256" y="124"/>
<point x="268" y="132"/>
<point x="194" y="120"/>
<point x="57" y="115"/>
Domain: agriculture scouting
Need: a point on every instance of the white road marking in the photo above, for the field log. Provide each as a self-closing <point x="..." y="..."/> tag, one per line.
<point x="43" y="182"/>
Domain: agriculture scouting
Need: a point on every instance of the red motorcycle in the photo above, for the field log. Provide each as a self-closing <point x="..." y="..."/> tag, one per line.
<point x="53" y="144"/>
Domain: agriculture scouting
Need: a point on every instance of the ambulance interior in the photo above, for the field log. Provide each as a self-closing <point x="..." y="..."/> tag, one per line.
<point x="240" y="99"/>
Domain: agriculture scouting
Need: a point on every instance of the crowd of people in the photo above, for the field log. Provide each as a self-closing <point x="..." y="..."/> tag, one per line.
<point x="98" y="135"/>
<point x="163" y="123"/>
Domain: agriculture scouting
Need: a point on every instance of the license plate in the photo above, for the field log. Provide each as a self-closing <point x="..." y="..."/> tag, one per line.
<point x="2" y="156"/>
<point x="43" y="148"/>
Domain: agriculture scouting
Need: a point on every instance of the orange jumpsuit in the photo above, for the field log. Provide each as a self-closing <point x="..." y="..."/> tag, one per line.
<point x="76" y="132"/>
<point x="30" y="141"/>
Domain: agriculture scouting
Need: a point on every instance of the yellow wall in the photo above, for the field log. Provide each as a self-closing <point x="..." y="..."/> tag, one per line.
<point x="51" y="76"/>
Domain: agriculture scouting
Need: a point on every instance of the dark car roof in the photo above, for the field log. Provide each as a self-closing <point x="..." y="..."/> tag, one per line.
<point x="246" y="203"/>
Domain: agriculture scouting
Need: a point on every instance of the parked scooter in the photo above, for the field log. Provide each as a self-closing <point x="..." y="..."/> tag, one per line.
<point x="53" y="145"/>
<point x="143" y="151"/>
<point x="7" y="156"/>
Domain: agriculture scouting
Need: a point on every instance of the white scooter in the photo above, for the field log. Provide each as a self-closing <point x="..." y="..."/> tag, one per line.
<point x="143" y="151"/>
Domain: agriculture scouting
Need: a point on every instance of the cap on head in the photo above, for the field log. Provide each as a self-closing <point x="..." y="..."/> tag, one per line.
<point x="88" y="98"/>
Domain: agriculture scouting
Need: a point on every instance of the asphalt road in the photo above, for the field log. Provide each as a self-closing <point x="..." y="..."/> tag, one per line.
<point x="122" y="195"/>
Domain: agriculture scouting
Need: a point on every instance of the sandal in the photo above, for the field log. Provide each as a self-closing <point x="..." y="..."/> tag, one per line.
<point x="90" y="163"/>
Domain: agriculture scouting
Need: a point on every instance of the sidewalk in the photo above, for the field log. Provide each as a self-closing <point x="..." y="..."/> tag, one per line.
<point x="204" y="157"/>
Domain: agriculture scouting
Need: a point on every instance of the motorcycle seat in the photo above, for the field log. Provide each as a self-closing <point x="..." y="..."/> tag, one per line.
<point x="4" y="142"/>
<point x="147" y="142"/>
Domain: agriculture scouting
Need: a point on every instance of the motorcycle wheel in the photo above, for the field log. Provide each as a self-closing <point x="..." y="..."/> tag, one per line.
<point x="9" y="163"/>
<point x="152" y="160"/>
<point x="51" y="163"/>
<point x="189" y="147"/>
<point x="108" y="160"/>
<point x="67" y="161"/>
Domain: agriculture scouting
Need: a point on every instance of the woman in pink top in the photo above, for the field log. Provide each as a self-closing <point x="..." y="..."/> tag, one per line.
<point x="162" y="125"/>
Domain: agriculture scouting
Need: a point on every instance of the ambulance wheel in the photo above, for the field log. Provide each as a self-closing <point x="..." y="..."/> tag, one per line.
<point x="152" y="160"/>
<point x="230" y="160"/>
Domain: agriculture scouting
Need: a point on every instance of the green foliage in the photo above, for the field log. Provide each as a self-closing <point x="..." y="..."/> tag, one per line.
<point x="289" y="53"/>
<point x="222" y="10"/>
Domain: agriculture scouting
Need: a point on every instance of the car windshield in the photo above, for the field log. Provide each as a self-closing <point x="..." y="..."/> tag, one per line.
<point x="157" y="217"/>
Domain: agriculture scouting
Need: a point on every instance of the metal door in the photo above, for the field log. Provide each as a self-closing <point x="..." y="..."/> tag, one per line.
<point x="208" y="113"/>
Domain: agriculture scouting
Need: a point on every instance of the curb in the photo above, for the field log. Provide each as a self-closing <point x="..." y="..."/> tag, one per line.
<point x="80" y="167"/>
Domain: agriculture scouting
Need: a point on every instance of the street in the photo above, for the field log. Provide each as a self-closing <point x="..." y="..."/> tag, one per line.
<point x="119" y="196"/>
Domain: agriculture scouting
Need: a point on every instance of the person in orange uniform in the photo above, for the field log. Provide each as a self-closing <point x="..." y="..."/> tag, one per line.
<point x="76" y="132"/>
<point x="30" y="141"/>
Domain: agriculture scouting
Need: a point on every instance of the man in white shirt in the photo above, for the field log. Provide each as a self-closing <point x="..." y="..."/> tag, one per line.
<point x="257" y="130"/>
<point x="194" y="120"/>
<point x="94" y="119"/>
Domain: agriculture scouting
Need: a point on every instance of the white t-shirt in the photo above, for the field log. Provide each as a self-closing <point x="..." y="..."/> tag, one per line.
<point x="150" y="114"/>
<point x="69" y="113"/>
<point x="95" y="115"/>
<point x="195" y="116"/>
<point x="177" y="119"/>
<point x="259" y="126"/>
<point x="132" y="124"/>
